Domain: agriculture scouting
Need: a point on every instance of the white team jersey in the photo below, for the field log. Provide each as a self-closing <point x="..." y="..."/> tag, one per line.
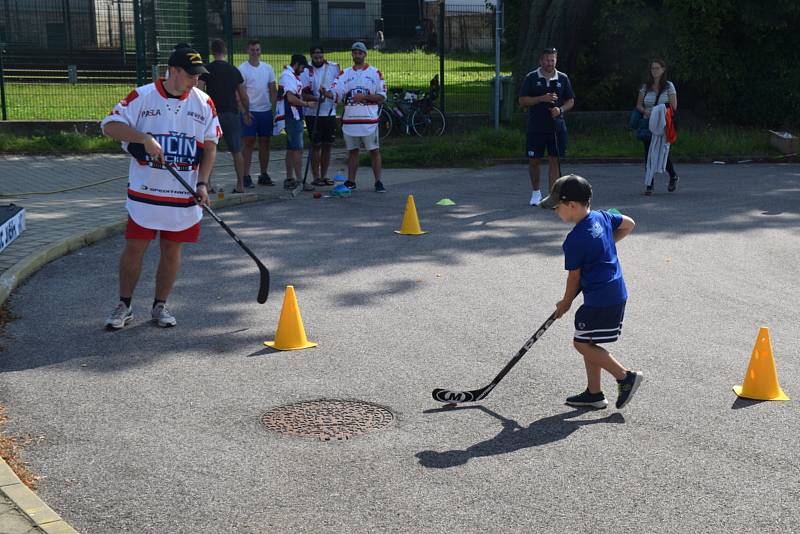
<point x="181" y="126"/>
<point x="359" y="119"/>
<point x="314" y="77"/>
<point x="289" y="82"/>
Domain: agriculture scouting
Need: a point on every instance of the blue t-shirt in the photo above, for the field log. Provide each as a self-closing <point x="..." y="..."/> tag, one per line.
<point x="590" y="247"/>
<point x="535" y="84"/>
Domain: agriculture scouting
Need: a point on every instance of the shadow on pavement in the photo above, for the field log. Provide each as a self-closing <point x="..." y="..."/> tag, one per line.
<point x="513" y="436"/>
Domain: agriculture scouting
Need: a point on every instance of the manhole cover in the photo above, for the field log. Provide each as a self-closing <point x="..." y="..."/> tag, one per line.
<point x="327" y="419"/>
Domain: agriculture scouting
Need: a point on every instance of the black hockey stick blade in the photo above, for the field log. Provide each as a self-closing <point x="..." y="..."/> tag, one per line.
<point x="263" y="285"/>
<point x="448" y="395"/>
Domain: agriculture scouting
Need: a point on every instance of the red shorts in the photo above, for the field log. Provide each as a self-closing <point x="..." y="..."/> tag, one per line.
<point x="189" y="235"/>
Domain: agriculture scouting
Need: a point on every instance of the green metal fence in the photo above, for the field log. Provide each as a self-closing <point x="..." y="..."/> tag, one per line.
<point x="74" y="59"/>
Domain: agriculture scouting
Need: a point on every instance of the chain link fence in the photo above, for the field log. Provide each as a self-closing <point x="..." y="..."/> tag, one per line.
<point x="74" y="59"/>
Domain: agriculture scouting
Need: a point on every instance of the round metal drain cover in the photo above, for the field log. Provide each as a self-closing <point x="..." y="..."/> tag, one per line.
<point x="327" y="419"/>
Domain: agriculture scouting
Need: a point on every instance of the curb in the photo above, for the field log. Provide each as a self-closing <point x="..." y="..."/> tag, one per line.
<point x="23" y="269"/>
<point x="41" y="515"/>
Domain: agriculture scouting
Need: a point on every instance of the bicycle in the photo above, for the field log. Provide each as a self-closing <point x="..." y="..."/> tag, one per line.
<point x="414" y="112"/>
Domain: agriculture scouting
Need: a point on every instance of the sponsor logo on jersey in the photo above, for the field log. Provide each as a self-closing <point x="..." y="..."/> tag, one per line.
<point x="179" y="149"/>
<point x="196" y="116"/>
<point x="151" y="113"/>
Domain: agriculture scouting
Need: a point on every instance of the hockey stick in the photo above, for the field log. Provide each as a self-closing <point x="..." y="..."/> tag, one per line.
<point x="313" y="133"/>
<point x="446" y="395"/>
<point x="263" y="286"/>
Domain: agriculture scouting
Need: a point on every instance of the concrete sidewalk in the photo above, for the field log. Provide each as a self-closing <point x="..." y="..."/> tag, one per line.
<point x="77" y="201"/>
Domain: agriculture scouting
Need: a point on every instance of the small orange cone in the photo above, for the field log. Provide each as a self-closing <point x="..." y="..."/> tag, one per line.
<point x="761" y="380"/>
<point x="410" y="221"/>
<point x="290" y="334"/>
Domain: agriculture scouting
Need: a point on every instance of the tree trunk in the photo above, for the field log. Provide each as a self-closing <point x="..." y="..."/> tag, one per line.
<point x="561" y="24"/>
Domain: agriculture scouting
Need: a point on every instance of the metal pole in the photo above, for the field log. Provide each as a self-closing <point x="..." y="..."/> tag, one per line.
<point x="3" y="82"/>
<point x="315" y="22"/>
<point x="498" y="32"/>
<point x="229" y="29"/>
<point x="441" y="55"/>
<point x="138" y="30"/>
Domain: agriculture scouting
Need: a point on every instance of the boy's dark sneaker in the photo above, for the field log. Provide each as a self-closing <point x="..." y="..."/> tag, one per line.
<point x="627" y="387"/>
<point x="248" y="182"/>
<point x="350" y="185"/>
<point x="289" y="183"/>
<point x="648" y="190"/>
<point x="379" y="187"/>
<point x="673" y="183"/>
<point x="319" y="182"/>
<point x="265" y="179"/>
<point x="592" y="400"/>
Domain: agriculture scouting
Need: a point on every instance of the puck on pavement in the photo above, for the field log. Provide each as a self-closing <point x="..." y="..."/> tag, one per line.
<point x="317" y="194"/>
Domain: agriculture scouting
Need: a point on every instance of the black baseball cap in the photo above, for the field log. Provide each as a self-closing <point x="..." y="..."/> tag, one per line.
<point x="188" y="59"/>
<point x="566" y="188"/>
<point x="316" y="48"/>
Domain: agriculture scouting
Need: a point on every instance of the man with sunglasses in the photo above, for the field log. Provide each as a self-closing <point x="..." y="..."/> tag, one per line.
<point x="548" y="95"/>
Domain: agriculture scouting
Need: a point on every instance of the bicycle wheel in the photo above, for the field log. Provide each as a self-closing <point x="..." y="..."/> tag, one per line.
<point x="428" y="122"/>
<point x="385" y="123"/>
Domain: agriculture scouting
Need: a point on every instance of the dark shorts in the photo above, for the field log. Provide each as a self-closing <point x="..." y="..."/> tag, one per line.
<point x="538" y="141"/>
<point x="261" y="125"/>
<point x="599" y="325"/>
<point x="189" y="235"/>
<point x="326" y="130"/>
<point x="231" y="130"/>
<point x="294" y="133"/>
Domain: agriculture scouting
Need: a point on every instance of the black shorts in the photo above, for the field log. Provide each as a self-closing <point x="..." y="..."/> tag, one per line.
<point x="326" y="129"/>
<point x="536" y="142"/>
<point x="599" y="325"/>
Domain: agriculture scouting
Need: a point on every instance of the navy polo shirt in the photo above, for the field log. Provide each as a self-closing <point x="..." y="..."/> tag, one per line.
<point x="590" y="247"/>
<point x="535" y="84"/>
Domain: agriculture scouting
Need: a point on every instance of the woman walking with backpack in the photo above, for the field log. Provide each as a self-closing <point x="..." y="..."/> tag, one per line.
<point x="657" y="90"/>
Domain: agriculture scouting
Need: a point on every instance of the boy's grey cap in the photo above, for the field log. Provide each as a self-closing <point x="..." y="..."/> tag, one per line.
<point x="566" y="188"/>
<point x="358" y="45"/>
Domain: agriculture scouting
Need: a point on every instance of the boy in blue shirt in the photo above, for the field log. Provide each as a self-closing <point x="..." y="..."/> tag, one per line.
<point x="590" y="256"/>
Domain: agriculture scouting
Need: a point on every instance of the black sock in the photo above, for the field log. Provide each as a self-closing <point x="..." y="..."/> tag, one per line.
<point x="126" y="301"/>
<point x="156" y="302"/>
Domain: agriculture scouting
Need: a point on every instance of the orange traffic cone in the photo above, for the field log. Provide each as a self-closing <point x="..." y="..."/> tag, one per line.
<point x="410" y="221"/>
<point x="290" y="334"/>
<point x="761" y="380"/>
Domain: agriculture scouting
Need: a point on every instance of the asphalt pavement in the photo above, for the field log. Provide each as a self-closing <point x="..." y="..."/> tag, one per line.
<point x="153" y="430"/>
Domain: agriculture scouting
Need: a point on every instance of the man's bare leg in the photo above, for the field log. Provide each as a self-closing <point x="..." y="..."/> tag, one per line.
<point x="168" y="266"/>
<point x="130" y="265"/>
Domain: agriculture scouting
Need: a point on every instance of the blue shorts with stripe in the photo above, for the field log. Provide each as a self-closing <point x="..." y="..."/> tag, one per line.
<point x="599" y="325"/>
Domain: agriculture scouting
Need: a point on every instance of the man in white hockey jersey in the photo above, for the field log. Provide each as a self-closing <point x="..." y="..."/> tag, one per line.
<point x="316" y="77"/>
<point x="362" y="89"/>
<point x="169" y="122"/>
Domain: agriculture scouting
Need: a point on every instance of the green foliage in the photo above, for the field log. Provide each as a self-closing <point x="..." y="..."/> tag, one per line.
<point x="731" y="60"/>
<point x="57" y="143"/>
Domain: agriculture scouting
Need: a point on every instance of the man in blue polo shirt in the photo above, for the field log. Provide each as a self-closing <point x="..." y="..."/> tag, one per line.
<point x="547" y="93"/>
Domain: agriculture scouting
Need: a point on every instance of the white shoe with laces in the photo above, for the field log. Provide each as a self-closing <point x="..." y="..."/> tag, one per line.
<point x="536" y="197"/>
<point x="162" y="316"/>
<point x="121" y="316"/>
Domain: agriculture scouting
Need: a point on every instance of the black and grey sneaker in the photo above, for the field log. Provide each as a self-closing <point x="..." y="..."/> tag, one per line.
<point x="627" y="387"/>
<point x="379" y="187"/>
<point x="289" y="183"/>
<point x="308" y="187"/>
<point x="586" y="399"/>
<point x="248" y="182"/>
<point x="264" y="179"/>
<point x="121" y="316"/>
<point x="350" y="185"/>
<point x="673" y="183"/>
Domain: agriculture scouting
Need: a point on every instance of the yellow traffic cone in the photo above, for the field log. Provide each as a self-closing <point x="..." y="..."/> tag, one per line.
<point x="290" y="334"/>
<point x="410" y="221"/>
<point x="761" y="380"/>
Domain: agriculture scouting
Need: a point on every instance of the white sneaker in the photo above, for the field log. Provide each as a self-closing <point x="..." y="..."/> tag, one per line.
<point x="162" y="316"/>
<point x="121" y="316"/>
<point x="536" y="197"/>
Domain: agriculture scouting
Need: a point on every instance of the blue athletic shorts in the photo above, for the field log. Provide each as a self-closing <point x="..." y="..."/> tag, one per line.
<point x="599" y="325"/>
<point x="538" y="141"/>
<point x="261" y="125"/>
<point x="294" y="133"/>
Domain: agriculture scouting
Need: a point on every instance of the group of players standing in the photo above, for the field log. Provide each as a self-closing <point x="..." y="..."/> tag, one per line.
<point x="255" y="105"/>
